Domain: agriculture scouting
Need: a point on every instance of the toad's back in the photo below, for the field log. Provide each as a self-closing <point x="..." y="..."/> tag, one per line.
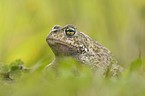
<point x="67" y="41"/>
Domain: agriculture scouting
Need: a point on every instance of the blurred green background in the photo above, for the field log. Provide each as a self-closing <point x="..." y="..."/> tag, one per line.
<point x="117" y="24"/>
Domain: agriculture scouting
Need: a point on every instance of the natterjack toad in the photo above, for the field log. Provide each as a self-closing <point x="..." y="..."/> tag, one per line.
<point x="67" y="41"/>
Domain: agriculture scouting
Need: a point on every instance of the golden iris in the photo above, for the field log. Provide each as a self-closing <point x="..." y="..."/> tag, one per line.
<point x="70" y="31"/>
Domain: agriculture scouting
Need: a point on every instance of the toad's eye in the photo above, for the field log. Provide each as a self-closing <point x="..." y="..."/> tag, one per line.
<point x="70" y="32"/>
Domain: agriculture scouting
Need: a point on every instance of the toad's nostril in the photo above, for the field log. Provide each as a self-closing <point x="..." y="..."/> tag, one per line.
<point x="57" y="27"/>
<point x="54" y="30"/>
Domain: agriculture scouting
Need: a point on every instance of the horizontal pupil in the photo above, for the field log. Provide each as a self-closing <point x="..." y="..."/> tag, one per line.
<point x="70" y="33"/>
<point x="71" y="30"/>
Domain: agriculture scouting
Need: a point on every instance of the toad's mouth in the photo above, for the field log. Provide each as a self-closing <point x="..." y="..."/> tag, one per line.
<point x="61" y="48"/>
<point x="52" y="41"/>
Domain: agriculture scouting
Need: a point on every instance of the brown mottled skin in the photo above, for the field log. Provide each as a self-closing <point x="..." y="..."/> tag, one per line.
<point x="67" y="41"/>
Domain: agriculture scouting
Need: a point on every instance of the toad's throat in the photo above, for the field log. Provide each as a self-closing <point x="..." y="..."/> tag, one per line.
<point x="61" y="48"/>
